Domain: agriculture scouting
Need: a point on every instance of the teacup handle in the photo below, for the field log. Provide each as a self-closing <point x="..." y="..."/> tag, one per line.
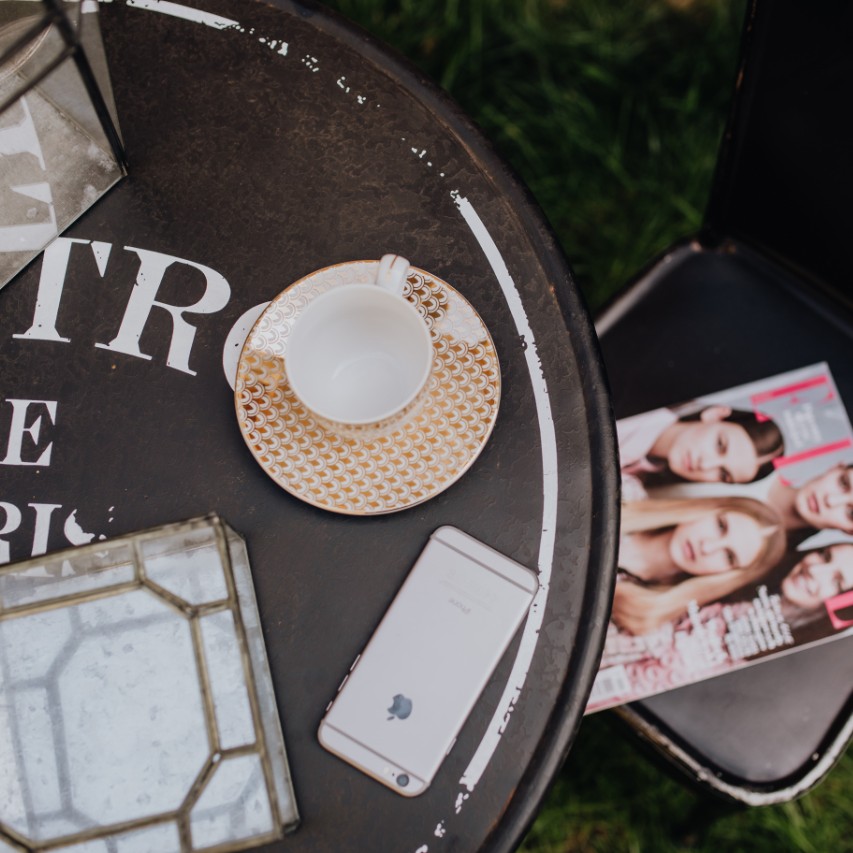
<point x="392" y="273"/>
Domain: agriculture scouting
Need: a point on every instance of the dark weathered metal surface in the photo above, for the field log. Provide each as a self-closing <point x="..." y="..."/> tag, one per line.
<point x="260" y="152"/>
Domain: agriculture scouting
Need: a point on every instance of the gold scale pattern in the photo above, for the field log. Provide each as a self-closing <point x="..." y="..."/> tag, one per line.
<point x="384" y="469"/>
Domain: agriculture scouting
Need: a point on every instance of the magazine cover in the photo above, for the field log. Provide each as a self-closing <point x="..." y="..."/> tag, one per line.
<point x="737" y="534"/>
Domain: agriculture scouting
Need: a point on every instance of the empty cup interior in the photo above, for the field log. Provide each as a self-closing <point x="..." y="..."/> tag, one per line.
<point x="358" y="355"/>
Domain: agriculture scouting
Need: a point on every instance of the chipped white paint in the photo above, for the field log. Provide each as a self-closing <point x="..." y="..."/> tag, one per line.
<point x="422" y="849"/>
<point x="175" y="10"/>
<point x="311" y="62"/>
<point x="548" y="440"/>
<point x="460" y="799"/>
<point x="198" y="16"/>
<point x="74" y="533"/>
<point x="420" y="153"/>
<point x="341" y="83"/>
<point x="440" y="830"/>
<point x="272" y="44"/>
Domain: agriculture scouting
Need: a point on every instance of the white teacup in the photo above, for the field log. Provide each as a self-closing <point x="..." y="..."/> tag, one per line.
<point x="360" y="354"/>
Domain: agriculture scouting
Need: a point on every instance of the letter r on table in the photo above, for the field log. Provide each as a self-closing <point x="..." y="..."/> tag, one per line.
<point x="143" y="298"/>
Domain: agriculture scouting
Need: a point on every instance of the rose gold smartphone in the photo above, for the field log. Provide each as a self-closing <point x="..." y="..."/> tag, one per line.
<point x="398" y="711"/>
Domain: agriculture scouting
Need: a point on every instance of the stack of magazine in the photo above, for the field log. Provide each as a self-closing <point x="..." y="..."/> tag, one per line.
<point x="736" y="541"/>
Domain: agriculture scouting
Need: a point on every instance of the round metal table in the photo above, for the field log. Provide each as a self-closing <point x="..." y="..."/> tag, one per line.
<point x="266" y="141"/>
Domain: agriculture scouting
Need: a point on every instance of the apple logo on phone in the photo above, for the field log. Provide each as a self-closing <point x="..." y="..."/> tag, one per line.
<point x="401" y="707"/>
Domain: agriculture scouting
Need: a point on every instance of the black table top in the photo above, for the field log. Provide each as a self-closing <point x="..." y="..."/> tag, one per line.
<point x="266" y="141"/>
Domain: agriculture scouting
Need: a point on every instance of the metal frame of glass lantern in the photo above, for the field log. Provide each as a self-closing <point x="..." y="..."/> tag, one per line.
<point x="268" y="738"/>
<point x="54" y="16"/>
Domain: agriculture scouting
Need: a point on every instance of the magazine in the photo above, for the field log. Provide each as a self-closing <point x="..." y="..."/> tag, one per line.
<point x="736" y="541"/>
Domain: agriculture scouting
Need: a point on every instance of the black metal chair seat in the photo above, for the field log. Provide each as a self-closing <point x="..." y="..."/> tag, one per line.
<point x="700" y="320"/>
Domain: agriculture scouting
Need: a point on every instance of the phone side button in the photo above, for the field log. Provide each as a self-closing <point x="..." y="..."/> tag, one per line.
<point x="341" y="685"/>
<point x="357" y="659"/>
<point x="452" y="744"/>
<point x="327" y="707"/>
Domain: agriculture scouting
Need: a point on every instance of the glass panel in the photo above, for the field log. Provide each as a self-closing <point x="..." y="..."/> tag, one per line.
<point x="56" y="158"/>
<point x="60" y="576"/>
<point x="13" y="812"/>
<point x="138" y="605"/>
<point x="267" y="708"/>
<point x="188" y="565"/>
<point x="227" y="680"/>
<point x="94" y="846"/>
<point x="163" y="838"/>
<point x="234" y="804"/>
<point x="103" y="716"/>
<point x="133" y="718"/>
<point x="113" y="729"/>
<point x="38" y="641"/>
<point x="28" y="46"/>
<point x="39" y="758"/>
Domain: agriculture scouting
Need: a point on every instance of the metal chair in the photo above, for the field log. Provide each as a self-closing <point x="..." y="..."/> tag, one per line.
<point x="766" y="286"/>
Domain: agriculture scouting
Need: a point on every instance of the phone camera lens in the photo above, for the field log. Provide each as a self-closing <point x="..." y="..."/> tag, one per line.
<point x="402" y="780"/>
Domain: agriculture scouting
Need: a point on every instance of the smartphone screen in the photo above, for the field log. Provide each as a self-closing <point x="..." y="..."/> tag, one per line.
<point x="400" y="708"/>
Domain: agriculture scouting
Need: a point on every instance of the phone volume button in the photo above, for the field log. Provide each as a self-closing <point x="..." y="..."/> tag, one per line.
<point x="452" y="744"/>
<point x="357" y="659"/>
<point x="341" y="685"/>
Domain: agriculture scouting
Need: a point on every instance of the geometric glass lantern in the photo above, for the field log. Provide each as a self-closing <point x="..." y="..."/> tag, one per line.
<point x="137" y="711"/>
<point x="60" y="148"/>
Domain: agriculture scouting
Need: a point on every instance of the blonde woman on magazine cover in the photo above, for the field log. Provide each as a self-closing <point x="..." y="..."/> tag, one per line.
<point x="673" y="552"/>
<point x="824" y="502"/>
<point x="657" y="662"/>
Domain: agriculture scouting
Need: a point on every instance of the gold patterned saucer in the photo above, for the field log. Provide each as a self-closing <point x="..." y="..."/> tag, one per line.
<point x="380" y="470"/>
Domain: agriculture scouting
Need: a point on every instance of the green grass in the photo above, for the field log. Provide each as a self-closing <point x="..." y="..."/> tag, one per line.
<point x="612" y="797"/>
<point x="611" y="112"/>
